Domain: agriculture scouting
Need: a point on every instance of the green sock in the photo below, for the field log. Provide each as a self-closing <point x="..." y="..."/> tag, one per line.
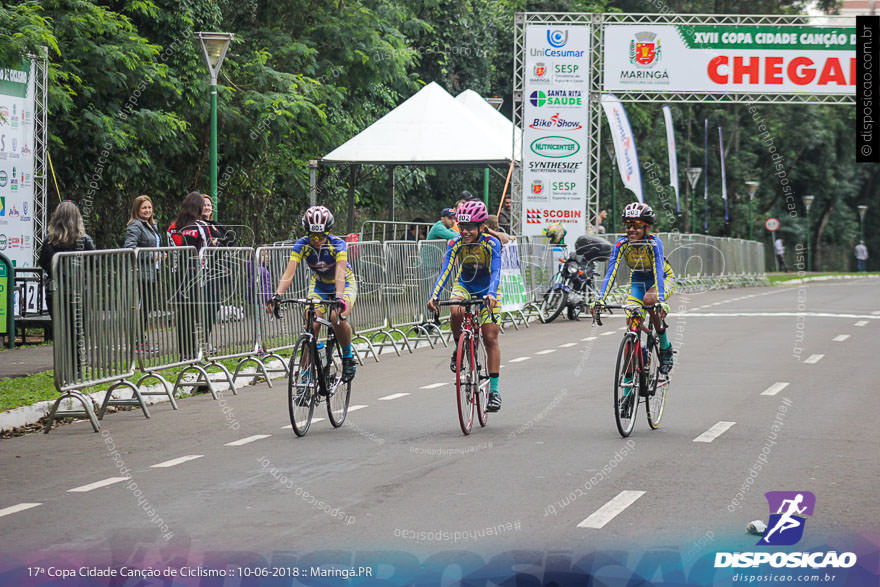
<point x="664" y="341"/>
<point x="493" y="382"/>
<point x="346" y="351"/>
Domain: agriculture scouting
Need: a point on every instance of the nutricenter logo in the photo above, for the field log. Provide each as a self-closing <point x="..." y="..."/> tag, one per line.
<point x="555" y="147"/>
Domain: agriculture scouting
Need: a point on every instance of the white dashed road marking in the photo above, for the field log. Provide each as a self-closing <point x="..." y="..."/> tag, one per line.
<point x="176" y="461"/>
<point x="545" y="352"/>
<point x="434" y="385"/>
<point x="566" y="345"/>
<point x="611" y="510"/>
<point x="588" y="339"/>
<point x="354" y="408"/>
<point x="861" y="323"/>
<point x="607" y="333"/>
<point x="714" y="432"/>
<point x="840" y="337"/>
<point x="17" y="508"/>
<point x="247" y="440"/>
<point x="392" y="396"/>
<point x="289" y="427"/>
<point x="813" y="359"/>
<point x="97" y="484"/>
<point x="519" y="359"/>
<point x="775" y="388"/>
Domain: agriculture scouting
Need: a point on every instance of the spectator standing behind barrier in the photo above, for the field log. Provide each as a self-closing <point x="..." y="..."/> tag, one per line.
<point x="504" y="219"/>
<point x="220" y="236"/>
<point x="442" y="229"/>
<point x="601" y="226"/>
<point x="141" y="232"/>
<point x="861" y="253"/>
<point x="779" y="248"/>
<point x="66" y="233"/>
<point x="492" y="228"/>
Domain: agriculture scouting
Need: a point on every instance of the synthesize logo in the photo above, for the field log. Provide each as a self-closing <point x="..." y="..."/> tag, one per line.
<point x="644" y="49"/>
<point x="533" y="216"/>
<point x="786" y="525"/>
<point x="557" y="38"/>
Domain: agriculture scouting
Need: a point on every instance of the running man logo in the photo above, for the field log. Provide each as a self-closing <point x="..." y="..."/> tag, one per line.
<point x="787" y="511"/>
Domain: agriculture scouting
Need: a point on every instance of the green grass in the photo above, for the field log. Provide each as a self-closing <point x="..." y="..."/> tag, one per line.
<point x="783" y="277"/>
<point x="16" y="392"/>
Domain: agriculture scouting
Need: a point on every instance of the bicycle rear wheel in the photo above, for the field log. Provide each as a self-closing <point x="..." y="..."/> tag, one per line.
<point x="626" y="396"/>
<point x="464" y="377"/>
<point x="339" y="393"/>
<point x="483" y="386"/>
<point x="658" y="387"/>
<point x="302" y="387"/>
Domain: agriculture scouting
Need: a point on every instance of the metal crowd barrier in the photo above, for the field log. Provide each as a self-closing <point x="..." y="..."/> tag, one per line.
<point x="430" y="259"/>
<point x="369" y="319"/>
<point x="93" y="328"/>
<point x="275" y="335"/>
<point x="387" y="230"/>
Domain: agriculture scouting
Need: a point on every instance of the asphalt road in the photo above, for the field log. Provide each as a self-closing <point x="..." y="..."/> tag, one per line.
<point x="791" y="397"/>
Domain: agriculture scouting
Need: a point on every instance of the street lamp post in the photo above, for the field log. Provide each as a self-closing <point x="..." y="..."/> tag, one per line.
<point x="609" y="148"/>
<point x="752" y="187"/>
<point x="214" y="46"/>
<point x="808" y="201"/>
<point x="693" y="175"/>
<point x="862" y="209"/>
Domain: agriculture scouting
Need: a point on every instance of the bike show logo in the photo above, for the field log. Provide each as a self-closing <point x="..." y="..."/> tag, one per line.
<point x="556" y="98"/>
<point x="644" y="49"/>
<point x="557" y="38"/>
<point x="555" y="122"/>
<point x="788" y="517"/>
<point x="555" y="147"/>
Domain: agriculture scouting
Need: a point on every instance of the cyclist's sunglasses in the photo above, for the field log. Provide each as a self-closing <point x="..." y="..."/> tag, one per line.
<point x="469" y="225"/>
<point x="318" y="235"/>
<point x="635" y="224"/>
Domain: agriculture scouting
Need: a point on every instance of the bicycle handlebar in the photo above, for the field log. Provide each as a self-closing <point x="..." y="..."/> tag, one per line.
<point x="651" y="308"/>
<point x="475" y="301"/>
<point x="305" y="302"/>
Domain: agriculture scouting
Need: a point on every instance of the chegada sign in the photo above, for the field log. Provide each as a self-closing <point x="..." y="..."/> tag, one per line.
<point x="730" y="59"/>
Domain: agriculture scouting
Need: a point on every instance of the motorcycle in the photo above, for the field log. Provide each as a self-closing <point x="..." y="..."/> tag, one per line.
<point x="572" y="289"/>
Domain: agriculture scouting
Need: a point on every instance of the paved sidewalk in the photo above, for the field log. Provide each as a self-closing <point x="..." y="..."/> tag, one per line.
<point x="25" y="360"/>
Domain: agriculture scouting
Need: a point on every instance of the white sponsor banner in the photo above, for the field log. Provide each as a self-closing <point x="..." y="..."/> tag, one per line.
<point x="673" y="159"/>
<point x="555" y="117"/>
<point x="624" y="145"/>
<point x="17" y="164"/>
<point x="730" y="59"/>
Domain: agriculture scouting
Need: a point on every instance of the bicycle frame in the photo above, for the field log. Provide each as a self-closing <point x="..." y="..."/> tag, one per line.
<point x="311" y="318"/>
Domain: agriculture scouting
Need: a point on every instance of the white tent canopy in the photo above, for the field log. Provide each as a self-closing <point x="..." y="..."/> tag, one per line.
<point x="429" y="128"/>
<point x="500" y="124"/>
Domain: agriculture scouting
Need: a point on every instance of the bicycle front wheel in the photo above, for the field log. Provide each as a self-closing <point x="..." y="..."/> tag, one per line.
<point x="302" y="387"/>
<point x="658" y="387"/>
<point x="464" y="378"/>
<point x="626" y="382"/>
<point x="339" y="393"/>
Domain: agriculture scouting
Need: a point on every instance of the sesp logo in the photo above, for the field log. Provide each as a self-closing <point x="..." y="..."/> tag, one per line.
<point x="787" y="511"/>
<point x="557" y="38"/>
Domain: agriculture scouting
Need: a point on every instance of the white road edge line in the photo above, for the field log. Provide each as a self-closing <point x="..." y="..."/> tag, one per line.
<point x="13" y="509"/>
<point x="813" y="359"/>
<point x="714" y="432"/>
<point x="393" y="396"/>
<point x="176" y="461"/>
<point x="775" y="388"/>
<point x="434" y="385"/>
<point x="840" y="338"/>
<point x="247" y="440"/>
<point x="611" y="510"/>
<point x="519" y="359"/>
<point x="98" y="484"/>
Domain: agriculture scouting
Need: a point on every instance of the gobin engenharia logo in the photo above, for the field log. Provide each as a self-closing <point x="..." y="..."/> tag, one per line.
<point x="788" y="511"/>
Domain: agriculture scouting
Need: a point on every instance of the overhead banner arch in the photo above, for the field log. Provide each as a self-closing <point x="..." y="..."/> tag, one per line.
<point x="665" y="58"/>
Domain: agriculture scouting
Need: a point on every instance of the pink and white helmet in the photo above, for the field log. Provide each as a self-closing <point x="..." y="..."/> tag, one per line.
<point x="473" y="211"/>
<point x="317" y="219"/>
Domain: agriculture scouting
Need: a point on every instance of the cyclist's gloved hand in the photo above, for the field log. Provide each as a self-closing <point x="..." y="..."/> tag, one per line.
<point x="342" y="303"/>
<point x="665" y="307"/>
<point x="432" y="305"/>
<point x="274" y="304"/>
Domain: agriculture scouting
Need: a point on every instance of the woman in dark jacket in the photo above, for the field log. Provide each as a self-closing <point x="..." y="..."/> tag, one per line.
<point x="140" y="233"/>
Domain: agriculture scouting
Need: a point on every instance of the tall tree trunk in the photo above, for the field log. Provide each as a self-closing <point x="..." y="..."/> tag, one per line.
<point x="817" y="255"/>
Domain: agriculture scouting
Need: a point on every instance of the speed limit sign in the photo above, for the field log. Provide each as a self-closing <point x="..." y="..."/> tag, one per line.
<point x="772" y="224"/>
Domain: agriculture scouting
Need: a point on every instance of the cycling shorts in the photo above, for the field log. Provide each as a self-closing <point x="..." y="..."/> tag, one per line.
<point x="462" y="291"/>
<point x="640" y="286"/>
<point x="318" y="290"/>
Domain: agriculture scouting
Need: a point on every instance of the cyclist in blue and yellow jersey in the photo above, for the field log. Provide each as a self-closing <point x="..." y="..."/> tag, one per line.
<point x="475" y="259"/>
<point x="652" y="278"/>
<point x="332" y="277"/>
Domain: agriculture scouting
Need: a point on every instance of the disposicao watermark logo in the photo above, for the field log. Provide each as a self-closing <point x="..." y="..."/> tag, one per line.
<point x="788" y="511"/>
<point x="786" y="525"/>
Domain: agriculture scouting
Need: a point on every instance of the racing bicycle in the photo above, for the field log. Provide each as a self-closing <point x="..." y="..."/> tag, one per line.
<point x="471" y="364"/>
<point x="315" y="373"/>
<point x="640" y="364"/>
